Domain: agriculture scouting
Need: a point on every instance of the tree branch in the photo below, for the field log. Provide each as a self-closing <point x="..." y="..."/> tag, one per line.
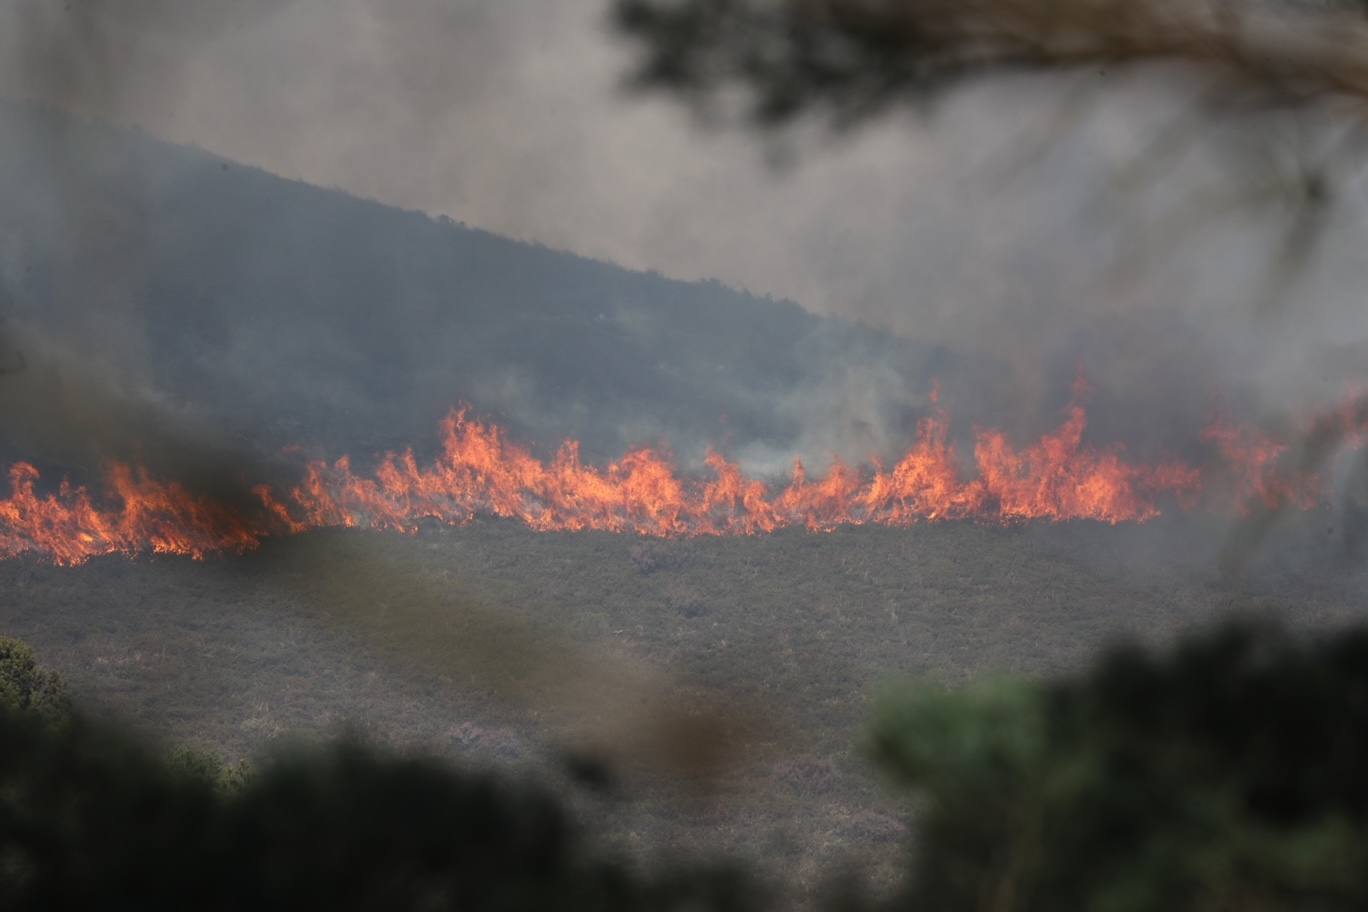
<point x="853" y="57"/>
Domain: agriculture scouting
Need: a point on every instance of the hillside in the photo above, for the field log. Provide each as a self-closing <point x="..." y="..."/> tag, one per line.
<point x="302" y="315"/>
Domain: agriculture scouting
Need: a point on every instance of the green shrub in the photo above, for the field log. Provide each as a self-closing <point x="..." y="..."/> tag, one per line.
<point x="207" y="767"/>
<point x="1227" y="775"/>
<point x="25" y="687"/>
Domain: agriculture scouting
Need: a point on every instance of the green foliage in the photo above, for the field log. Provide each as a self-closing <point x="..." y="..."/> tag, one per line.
<point x="1227" y="776"/>
<point x="204" y="766"/>
<point x="29" y="690"/>
<point x="966" y="739"/>
<point x="978" y="757"/>
<point x="24" y="687"/>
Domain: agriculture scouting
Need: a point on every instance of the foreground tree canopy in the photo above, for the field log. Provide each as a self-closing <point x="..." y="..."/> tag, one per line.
<point x="852" y="58"/>
<point x="1226" y="774"/>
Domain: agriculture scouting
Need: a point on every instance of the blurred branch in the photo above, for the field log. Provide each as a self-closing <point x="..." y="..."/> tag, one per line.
<point x="851" y="58"/>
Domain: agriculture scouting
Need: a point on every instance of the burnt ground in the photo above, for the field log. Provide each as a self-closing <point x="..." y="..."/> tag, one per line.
<point x="303" y="638"/>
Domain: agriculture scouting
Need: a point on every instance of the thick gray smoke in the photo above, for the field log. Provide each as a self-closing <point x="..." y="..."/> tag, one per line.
<point x="1003" y="227"/>
<point x="1032" y="227"/>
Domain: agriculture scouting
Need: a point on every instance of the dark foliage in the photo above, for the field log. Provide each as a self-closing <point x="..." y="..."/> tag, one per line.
<point x="1224" y="774"/>
<point x="92" y="819"/>
<point x="853" y="58"/>
<point x="790" y="57"/>
<point x="1228" y="775"/>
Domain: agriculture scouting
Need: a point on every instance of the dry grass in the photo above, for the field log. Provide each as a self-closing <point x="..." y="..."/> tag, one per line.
<point x="227" y="655"/>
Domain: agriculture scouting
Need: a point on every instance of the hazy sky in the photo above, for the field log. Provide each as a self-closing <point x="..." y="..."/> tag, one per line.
<point x="509" y="115"/>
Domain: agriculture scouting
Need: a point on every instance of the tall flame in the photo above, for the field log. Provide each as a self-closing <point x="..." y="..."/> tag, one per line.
<point x="480" y="472"/>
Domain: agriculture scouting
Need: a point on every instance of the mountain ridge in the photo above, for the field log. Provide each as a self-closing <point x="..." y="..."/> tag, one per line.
<point x="303" y="314"/>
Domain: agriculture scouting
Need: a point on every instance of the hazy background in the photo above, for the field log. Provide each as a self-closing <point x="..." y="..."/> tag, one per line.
<point x="1010" y="224"/>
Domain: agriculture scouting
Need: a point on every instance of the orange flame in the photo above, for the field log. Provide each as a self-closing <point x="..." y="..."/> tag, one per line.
<point x="479" y="472"/>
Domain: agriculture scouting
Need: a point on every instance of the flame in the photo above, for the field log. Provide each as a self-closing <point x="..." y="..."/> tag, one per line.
<point x="1254" y="460"/>
<point x="478" y="471"/>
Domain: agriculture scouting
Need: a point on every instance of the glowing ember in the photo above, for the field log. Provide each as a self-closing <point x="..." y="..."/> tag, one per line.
<point x="479" y="472"/>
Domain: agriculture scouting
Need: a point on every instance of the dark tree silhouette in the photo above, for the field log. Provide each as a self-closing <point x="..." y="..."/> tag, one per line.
<point x="853" y="58"/>
<point x="91" y="818"/>
<point x="1226" y="774"/>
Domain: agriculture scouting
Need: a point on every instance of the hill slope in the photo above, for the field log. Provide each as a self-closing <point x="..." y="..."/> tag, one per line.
<point x="299" y="314"/>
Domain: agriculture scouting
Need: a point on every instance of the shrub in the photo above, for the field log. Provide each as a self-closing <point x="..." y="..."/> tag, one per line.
<point x="1227" y="775"/>
<point x="25" y="687"/>
<point x="90" y="818"/>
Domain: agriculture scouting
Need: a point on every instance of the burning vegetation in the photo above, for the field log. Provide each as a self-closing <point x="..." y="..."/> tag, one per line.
<point x="479" y="471"/>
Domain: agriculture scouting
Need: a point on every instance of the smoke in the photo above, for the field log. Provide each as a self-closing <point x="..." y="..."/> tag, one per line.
<point x="509" y="116"/>
<point x="1035" y="226"/>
